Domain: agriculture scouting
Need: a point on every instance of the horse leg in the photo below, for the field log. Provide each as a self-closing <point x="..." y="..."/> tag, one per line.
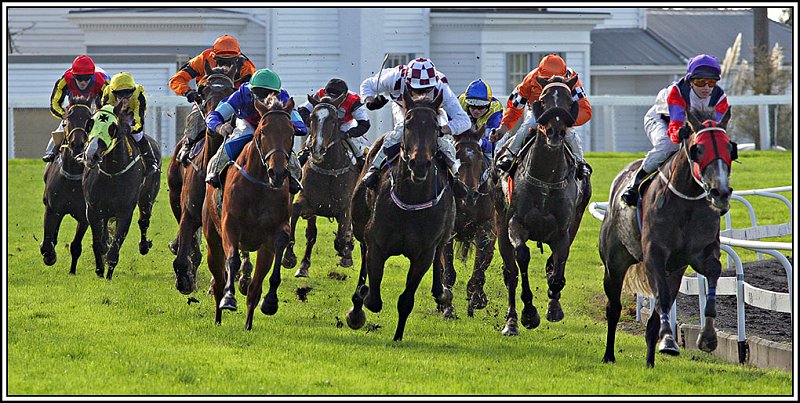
<point x="356" y="316"/>
<point x="484" y="251"/>
<point x="344" y="235"/>
<point x="120" y="233"/>
<point x="263" y="259"/>
<point x="555" y="279"/>
<point x="289" y="258"/>
<point x="216" y="265"/>
<point x="99" y="234"/>
<point x="75" y="248"/>
<point x="518" y="235"/>
<point x="247" y="270"/>
<point x="616" y="264"/>
<point x="269" y="306"/>
<point x="185" y="281"/>
<point x="311" y="239"/>
<point x="442" y="293"/>
<point x="232" y="267"/>
<point x="405" y="303"/>
<point x="651" y="337"/>
<point x="707" y="340"/>
<point x="145" y="211"/>
<point x="52" y="221"/>
<point x="656" y="259"/>
<point x="375" y="265"/>
<point x="510" y="280"/>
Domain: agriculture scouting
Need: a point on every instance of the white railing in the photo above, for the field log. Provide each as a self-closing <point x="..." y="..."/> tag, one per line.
<point x="748" y="238"/>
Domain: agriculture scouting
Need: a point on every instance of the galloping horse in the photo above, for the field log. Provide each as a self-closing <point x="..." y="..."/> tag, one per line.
<point x="542" y="201"/>
<point x="255" y="211"/>
<point x="62" y="185"/>
<point x="411" y="213"/>
<point x="187" y="187"/>
<point x="114" y="184"/>
<point x="675" y="225"/>
<point x="328" y="181"/>
<point x="473" y="224"/>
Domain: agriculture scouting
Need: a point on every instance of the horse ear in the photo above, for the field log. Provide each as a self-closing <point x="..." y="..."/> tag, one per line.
<point x="408" y="102"/>
<point x="572" y="81"/>
<point x="289" y="105"/>
<point x="313" y="99"/>
<point x="542" y="81"/>
<point x="692" y="120"/>
<point x="112" y="129"/>
<point x="260" y="106"/>
<point x="725" y="118"/>
<point x="89" y="125"/>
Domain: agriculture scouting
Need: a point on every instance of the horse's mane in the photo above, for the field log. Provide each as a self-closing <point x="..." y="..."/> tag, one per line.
<point x="274" y="104"/>
<point x="704" y="113"/>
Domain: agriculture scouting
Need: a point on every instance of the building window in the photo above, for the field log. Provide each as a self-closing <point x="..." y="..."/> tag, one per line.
<point x="396" y="59"/>
<point x="518" y="65"/>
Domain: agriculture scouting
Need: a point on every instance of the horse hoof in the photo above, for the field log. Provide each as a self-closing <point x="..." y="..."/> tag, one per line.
<point x="185" y="284"/>
<point x="607" y="359"/>
<point x="244" y="284"/>
<point x="479" y="300"/>
<point x="289" y="260"/>
<point x="470" y="310"/>
<point x="49" y="259"/>
<point x="707" y="343"/>
<point x="100" y="273"/>
<point x="109" y="273"/>
<point x="228" y="303"/>
<point x="554" y="312"/>
<point x="668" y="346"/>
<point x="269" y="305"/>
<point x="530" y="317"/>
<point x="301" y="272"/>
<point x="144" y="247"/>
<point x="511" y="329"/>
<point x="356" y="319"/>
<point x="346" y="262"/>
<point x="449" y="313"/>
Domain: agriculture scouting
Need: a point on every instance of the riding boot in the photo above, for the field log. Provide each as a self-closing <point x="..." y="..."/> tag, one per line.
<point x="631" y="194"/>
<point x="50" y="151"/>
<point x="360" y="161"/>
<point x="148" y="155"/>
<point x="505" y="161"/>
<point x="215" y="166"/>
<point x="302" y="156"/>
<point x="373" y="175"/>
<point x="186" y="149"/>
<point x="584" y="170"/>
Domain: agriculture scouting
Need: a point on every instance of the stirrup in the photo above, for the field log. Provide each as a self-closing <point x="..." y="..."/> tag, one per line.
<point x="48" y="157"/>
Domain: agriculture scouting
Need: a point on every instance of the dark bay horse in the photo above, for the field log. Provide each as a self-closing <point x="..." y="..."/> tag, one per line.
<point x="255" y="212"/>
<point x="187" y="187"/>
<point x="411" y="213"/>
<point x="542" y="202"/>
<point x="114" y="184"/>
<point x="679" y="215"/>
<point x="474" y="217"/>
<point x="62" y="185"/>
<point x="329" y="177"/>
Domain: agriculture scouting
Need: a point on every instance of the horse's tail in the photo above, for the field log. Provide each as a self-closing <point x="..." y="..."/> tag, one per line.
<point x="636" y="281"/>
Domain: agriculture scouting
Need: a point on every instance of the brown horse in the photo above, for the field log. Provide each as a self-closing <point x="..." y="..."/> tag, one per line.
<point x="187" y="186"/>
<point x="675" y="225"/>
<point x="114" y="184"/>
<point x="62" y="185"/>
<point x="411" y="213"/>
<point x="329" y="177"/>
<point x="542" y="202"/>
<point x="255" y="212"/>
<point x="473" y="224"/>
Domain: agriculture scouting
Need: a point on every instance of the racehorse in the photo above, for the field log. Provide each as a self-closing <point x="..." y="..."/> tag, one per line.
<point x="62" y="185"/>
<point x="410" y="213"/>
<point x="675" y="225"/>
<point x="114" y="184"/>
<point x="473" y="224"/>
<point x="541" y="201"/>
<point x="187" y="189"/>
<point x="329" y="177"/>
<point x="255" y="211"/>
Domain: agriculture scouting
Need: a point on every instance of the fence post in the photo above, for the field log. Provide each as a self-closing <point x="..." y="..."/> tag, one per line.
<point x="763" y="127"/>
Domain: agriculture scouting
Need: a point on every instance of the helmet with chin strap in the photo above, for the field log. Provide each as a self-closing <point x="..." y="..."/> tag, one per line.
<point x="703" y="66"/>
<point x="478" y="93"/>
<point x="421" y="74"/>
<point x="83" y="65"/>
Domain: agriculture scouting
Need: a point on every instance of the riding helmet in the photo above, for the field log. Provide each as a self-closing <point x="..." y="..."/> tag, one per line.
<point x="83" y="65"/>
<point x="478" y="93"/>
<point x="552" y="65"/>
<point x="703" y="66"/>
<point x="226" y="46"/>
<point x="266" y="78"/>
<point x="122" y="81"/>
<point x="421" y="73"/>
<point x="336" y="87"/>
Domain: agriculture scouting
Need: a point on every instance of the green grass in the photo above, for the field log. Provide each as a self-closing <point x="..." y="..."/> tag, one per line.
<point x="137" y="335"/>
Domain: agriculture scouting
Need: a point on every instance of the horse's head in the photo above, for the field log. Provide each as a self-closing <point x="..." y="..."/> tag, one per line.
<point x="469" y="152"/>
<point x="421" y="130"/>
<point x="103" y="129"/>
<point x="218" y="85"/>
<point x="555" y="110"/>
<point x="76" y="122"/>
<point x="273" y="137"/>
<point x="710" y="153"/>
<point x="324" y="125"/>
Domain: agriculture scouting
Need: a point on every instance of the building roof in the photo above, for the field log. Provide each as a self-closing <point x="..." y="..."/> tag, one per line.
<point x="631" y="46"/>
<point x="710" y="31"/>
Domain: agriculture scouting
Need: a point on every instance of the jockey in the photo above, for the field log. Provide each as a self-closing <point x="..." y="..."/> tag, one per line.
<point x="483" y="109"/>
<point x="528" y="91"/>
<point x="422" y="78"/>
<point x="664" y="121"/>
<point x="83" y="79"/>
<point x="225" y="53"/>
<point x="352" y="116"/>
<point x="264" y="83"/>
<point x="123" y="89"/>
